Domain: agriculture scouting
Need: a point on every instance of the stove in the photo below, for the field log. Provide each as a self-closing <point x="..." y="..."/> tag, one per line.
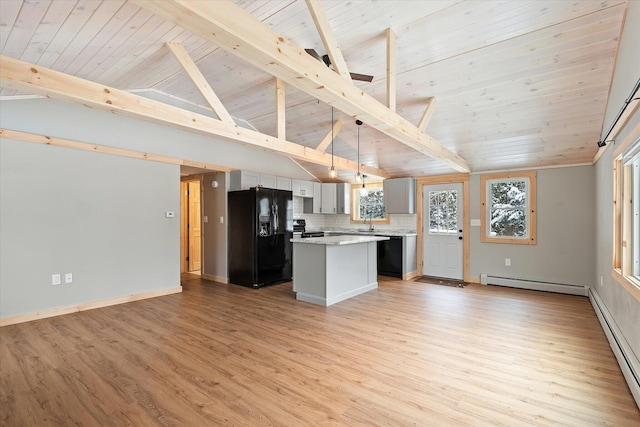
<point x="299" y="229"/>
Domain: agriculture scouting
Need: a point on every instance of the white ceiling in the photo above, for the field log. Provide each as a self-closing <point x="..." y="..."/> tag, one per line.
<point x="518" y="84"/>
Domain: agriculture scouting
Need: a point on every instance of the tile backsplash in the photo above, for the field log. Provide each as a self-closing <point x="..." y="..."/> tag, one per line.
<point x="322" y="221"/>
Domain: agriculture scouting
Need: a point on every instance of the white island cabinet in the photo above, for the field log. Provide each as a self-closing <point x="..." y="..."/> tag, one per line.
<point x="327" y="270"/>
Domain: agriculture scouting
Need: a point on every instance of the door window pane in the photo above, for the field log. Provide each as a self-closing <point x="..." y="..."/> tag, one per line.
<point x="443" y="212"/>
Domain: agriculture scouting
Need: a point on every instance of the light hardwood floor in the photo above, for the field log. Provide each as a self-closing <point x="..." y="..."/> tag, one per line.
<point x="406" y="354"/>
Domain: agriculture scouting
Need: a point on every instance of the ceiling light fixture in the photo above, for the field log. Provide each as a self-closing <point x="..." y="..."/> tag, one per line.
<point x="358" y="176"/>
<point x="332" y="169"/>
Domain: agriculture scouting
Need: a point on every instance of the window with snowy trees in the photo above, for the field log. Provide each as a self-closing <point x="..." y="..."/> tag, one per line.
<point x="626" y="215"/>
<point x="508" y="214"/>
<point x="368" y="204"/>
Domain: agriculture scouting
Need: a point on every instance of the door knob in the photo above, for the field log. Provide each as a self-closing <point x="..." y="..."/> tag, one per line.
<point x="460" y="238"/>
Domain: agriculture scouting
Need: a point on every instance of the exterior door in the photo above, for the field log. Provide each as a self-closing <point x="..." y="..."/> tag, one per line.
<point x="443" y="251"/>
<point x="195" y="231"/>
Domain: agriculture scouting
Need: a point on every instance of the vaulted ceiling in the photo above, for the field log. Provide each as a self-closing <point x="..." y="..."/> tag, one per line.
<point x="514" y="84"/>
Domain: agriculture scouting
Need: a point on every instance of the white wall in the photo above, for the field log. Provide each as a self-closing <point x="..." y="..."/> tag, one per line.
<point x="624" y="308"/>
<point x="70" y="121"/>
<point x="100" y="217"/>
<point x="565" y="247"/>
<point x="214" y="263"/>
<point x="97" y="216"/>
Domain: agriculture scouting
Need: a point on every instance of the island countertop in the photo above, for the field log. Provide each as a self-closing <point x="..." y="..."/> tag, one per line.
<point x="338" y="240"/>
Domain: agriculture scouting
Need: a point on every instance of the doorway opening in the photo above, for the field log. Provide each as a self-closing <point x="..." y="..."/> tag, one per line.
<point x="191" y="225"/>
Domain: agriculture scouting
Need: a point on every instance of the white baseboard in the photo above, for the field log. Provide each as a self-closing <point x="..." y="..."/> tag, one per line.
<point x="535" y="285"/>
<point x="629" y="364"/>
<point x="27" y="317"/>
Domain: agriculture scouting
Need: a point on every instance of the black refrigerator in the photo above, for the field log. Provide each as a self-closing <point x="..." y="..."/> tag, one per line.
<point x="260" y="228"/>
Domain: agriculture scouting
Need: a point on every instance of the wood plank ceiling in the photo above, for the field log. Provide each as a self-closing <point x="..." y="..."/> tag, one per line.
<point x="519" y="84"/>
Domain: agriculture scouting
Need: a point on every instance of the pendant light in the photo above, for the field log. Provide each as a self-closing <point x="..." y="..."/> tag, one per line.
<point x="358" y="176"/>
<point x="332" y="170"/>
<point x="363" y="190"/>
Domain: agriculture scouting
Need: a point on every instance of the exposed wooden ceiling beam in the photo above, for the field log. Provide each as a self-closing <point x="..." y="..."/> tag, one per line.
<point x="328" y="39"/>
<point x="281" y="118"/>
<point x="428" y="113"/>
<point x="391" y="69"/>
<point x="199" y="80"/>
<point x="23" y="76"/>
<point x="95" y="148"/>
<point x="230" y="27"/>
<point x="337" y="127"/>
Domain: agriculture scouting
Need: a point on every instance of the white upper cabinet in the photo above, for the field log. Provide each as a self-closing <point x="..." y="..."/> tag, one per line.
<point x="268" y="181"/>
<point x="399" y="195"/>
<point x="244" y="180"/>
<point x="302" y="188"/>
<point x="343" y="198"/>
<point x="328" y="198"/>
<point x="317" y="197"/>
<point x="283" y="183"/>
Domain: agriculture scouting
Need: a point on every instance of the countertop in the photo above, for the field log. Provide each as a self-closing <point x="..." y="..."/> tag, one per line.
<point x="365" y="232"/>
<point x="339" y="240"/>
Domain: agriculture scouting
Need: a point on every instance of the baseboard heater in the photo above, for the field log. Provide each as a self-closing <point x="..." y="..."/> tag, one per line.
<point x="561" y="288"/>
<point x="629" y="364"/>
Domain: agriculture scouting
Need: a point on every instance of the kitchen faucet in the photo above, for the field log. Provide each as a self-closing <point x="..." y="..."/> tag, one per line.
<point x="370" y="221"/>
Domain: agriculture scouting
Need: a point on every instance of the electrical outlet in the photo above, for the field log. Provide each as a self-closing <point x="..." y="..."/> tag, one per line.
<point x="68" y="278"/>
<point x="221" y="220"/>
<point x="507" y="262"/>
<point x="55" y="279"/>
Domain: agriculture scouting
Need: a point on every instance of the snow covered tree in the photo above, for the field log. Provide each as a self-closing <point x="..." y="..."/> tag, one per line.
<point x="508" y="208"/>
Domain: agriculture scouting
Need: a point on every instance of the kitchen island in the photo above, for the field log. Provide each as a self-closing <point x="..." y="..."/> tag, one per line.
<point x="327" y="270"/>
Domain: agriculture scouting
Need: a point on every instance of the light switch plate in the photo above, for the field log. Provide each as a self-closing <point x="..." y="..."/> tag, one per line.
<point x="55" y="279"/>
<point x="68" y="278"/>
<point x="475" y="223"/>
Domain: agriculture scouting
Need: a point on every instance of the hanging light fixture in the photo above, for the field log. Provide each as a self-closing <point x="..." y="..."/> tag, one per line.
<point x="332" y="169"/>
<point x="363" y="190"/>
<point x="358" y="176"/>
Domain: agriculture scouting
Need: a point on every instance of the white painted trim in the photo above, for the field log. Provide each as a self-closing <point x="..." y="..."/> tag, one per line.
<point x="27" y="317"/>
<point x="629" y="364"/>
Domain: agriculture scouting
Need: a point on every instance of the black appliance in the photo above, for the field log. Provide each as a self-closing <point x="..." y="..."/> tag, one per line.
<point x="299" y="225"/>
<point x="260" y="228"/>
<point x="300" y="228"/>
<point x="312" y="234"/>
<point x="390" y="257"/>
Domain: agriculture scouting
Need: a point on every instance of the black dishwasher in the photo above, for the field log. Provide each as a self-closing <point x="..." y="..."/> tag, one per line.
<point x="390" y="257"/>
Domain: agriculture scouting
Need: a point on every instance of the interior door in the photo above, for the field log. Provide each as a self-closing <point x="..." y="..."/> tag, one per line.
<point x="443" y="251"/>
<point x="195" y="230"/>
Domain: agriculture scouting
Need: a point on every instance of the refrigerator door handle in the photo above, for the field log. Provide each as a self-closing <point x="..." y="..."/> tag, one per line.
<point x="274" y="209"/>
